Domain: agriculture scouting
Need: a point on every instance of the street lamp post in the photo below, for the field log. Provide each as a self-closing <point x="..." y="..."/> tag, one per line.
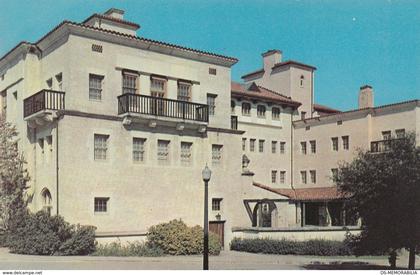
<point x="206" y="173"/>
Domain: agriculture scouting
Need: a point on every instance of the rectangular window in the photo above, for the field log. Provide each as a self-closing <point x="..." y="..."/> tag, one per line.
<point x="211" y="101"/>
<point x="261" y="111"/>
<point x="212" y="71"/>
<point x="129" y="83"/>
<point x="303" y="147"/>
<point x="252" y="145"/>
<point x="386" y="135"/>
<point x="400" y="133"/>
<point x="244" y="144"/>
<point x="95" y="86"/>
<point x="186" y="153"/>
<point x="138" y="149"/>
<point x="275" y="113"/>
<point x="282" y="147"/>
<point x="303" y="177"/>
<point x="313" y="146"/>
<point x="334" y="141"/>
<point x="100" y="146"/>
<point x="96" y="48"/>
<point x="216" y="204"/>
<point x="163" y="151"/>
<point x="273" y="147"/>
<point x="157" y="87"/>
<point x="59" y="78"/>
<point x="334" y="173"/>
<point x="302" y="115"/>
<point x="274" y="176"/>
<point x="216" y="154"/>
<point x="184" y="91"/>
<point x="313" y="176"/>
<point x="261" y="145"/>
<point x="346" y="142"/>
<point x="101" y="204"/>
<point x="282" y="176"/>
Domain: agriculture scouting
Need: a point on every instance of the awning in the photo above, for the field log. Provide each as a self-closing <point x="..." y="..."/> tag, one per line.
<point x="307" y="194"/>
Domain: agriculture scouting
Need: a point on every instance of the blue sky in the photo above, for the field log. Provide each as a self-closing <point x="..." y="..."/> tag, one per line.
<point x="350" y="42"/>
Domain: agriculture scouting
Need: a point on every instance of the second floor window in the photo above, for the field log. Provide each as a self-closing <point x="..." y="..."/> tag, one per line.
<point x="216" y="154"/>
<point x="95" y="86"/>
<point x="334" y="173"/>
<point x="274" y="176"/>
<point x="157" y="87"/>
<point x="232" y="106"/>
<point x="243" y="144"/>
<point x="186" y="153"/>
<point x="211" y="101"/>
<point x="252" y="145"/>
<point x="303" y="176"/>
<point x="346" y="142"/>
<point x="334" y="141"/>
<point x="400" y="133"/>
<point x="261" y="145"/>
<point x="129" y="83"/>
<point x="273" y="147"/>
<point x="282" y="147"/>
<point x="275" y="113"/>
<point x="282" y="176"/>
<point x="313" y="176"/>
<point x="261" y="111"/>
<point x="163" y="151"/>
<point x="184" y="91"/>
<point x="386" y="135"/>
<point x="100" y="147"/>
<point x="138" y="149"/>
<point x="246" y="109"/>
<point x="303" y="147"/>
<point x="313" y="146"/>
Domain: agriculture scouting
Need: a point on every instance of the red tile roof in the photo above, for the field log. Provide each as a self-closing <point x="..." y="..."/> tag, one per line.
<point x="307" y="194"/>
<point x="325" y="109"/>
<point x="254" y="91"/>
<point x="150" y="41"/>
<point x="110" y="18"/>
<point x="292" y="62"/>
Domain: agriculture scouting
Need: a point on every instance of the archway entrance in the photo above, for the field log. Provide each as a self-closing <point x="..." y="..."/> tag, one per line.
<point x="265" y="214"/>
<point x="46" y="200"/>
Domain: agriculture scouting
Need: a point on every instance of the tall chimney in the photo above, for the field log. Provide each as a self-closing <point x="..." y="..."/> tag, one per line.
<point x="366" y="97"/>
<point x="270" y="58"/>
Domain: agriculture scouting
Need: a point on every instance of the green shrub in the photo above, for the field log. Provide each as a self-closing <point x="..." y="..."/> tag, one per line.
<point x="176" y="238"/>
<point x="130" y="249"/>
<point x="285" y="247"/>
<point x="42" y="234"/>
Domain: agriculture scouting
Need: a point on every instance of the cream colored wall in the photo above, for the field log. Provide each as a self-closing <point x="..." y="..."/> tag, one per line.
<point x="269" y="130"/>
<point x="83" y="61"/>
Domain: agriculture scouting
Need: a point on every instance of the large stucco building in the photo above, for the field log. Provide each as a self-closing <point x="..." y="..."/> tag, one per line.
<point x="116" y="129"/>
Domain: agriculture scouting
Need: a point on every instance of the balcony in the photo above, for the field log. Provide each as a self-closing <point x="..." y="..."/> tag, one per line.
<point x="155" y="107"/>
<point x="43" y="105"/>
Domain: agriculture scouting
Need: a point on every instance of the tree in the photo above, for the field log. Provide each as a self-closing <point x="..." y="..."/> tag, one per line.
<point x="384" y="190"/>
<point x="13" y="176"/>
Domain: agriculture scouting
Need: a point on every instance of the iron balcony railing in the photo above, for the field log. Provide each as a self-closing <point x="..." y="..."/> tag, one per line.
<point x="43" y="100"/>
<point x="381" y="145"/>
<point x="234" y="122"/>
<point x="149" y="105"/>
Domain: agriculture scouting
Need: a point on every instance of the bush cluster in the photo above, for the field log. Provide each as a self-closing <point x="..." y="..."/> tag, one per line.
<point x="42" y="234"/>
<point x="176" y="238"/>
<point x="286" y="247"/>
<point x="130" y="249"/>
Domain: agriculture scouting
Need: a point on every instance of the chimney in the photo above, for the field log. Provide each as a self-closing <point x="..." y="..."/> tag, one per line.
<point x="115" y="13"/>
<point x="270" y="58"/>
<point x="366" y="97"/>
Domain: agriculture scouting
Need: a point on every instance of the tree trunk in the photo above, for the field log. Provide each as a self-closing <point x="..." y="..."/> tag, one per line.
<point x="412" y="258"/>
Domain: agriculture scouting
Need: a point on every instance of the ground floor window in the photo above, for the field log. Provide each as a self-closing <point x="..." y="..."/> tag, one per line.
<point x="326" y="214"/>
<point x="46" y="201"/>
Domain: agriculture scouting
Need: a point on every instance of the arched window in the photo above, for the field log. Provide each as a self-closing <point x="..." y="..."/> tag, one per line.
<point x="265" y="214"/>
<point x="46" y="200"/>
<point x="302" y="78"/>
<point x="246" y="109"/>
<point x="232" y="106"/>
<point x="261" y="111"/>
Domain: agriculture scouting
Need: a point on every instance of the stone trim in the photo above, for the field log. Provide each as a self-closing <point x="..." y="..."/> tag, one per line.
<point x="224" y="130"/>
<point x="296" y="229"/>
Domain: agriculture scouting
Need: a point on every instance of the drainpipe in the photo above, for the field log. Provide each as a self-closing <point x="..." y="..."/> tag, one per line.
<point x="56" y="163"/>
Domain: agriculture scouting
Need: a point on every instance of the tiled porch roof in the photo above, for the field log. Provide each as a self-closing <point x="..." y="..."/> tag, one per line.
<point x="307" y="194"/>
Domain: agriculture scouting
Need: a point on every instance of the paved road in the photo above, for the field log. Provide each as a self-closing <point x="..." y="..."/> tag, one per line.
<point x="227" y="260"/>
